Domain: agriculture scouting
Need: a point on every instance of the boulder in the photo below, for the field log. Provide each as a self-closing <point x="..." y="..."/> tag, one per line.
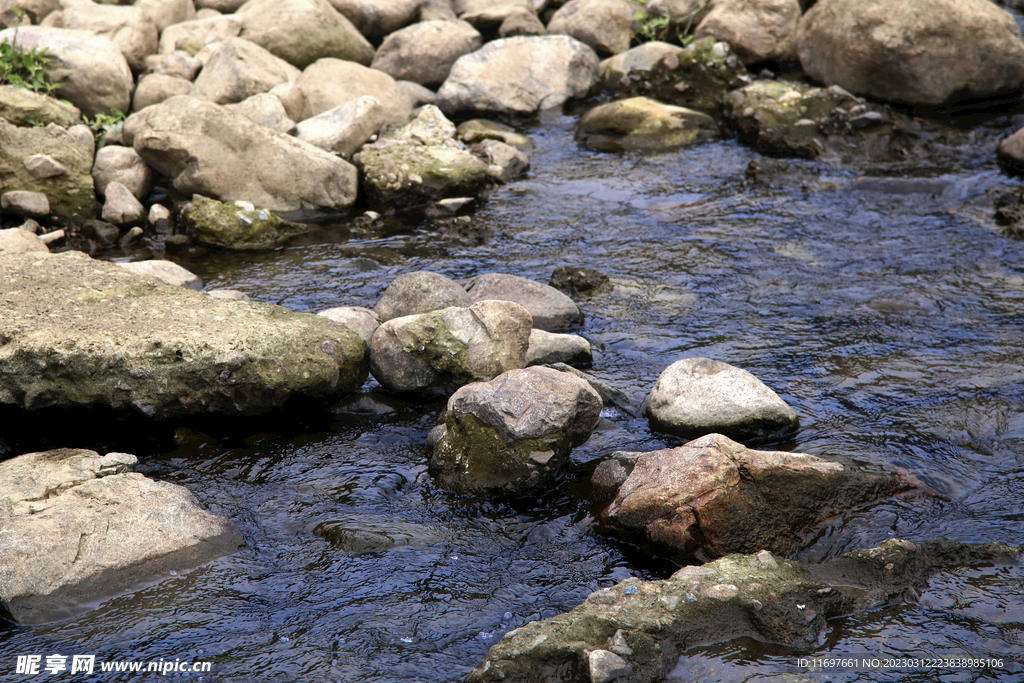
<point x="551" y="310"/>
<point x="641" y="123"/>
<point x="1011" y="153"/>
<point x="425" y="52"/>
<point x="696" y="396"/>
<point x="164" y="13"/>
<point x="344" y="129"/>
<point x="230" y="226"/>
<point x="420" y="292"/>
<point x="165" y="271"/>
<point x="604" y="25"/>
<point x="18" y="241"/>
<point x="650" y="624"/>
<point x="155" y="88"/>
<point x="127" y="27"/>
<point x="265" y="109"/>
<point x="420" y="163"/>
<point x="207" y="149"/>
<point x="714" y="496"/>
<point x="512" y="436"/>
<point x="329" y="83"/>
<point x="93" y="73"/>
<point x="931" y="54"/>
<point x="161" y="350"/>
<point x="79" y="527"/>
<point x="70" y="194"/>
<point x="193" y="36"/>
<point x="797" y="120"/>
<point x="519" y="75"/>
<point x="25" y="203"/>
<point x="239" y="69"/>
<point x="302" y="31"/>
<point x="22" y="107"/>
<point x="438" y="352"/>
<point x="698" y="76"/>
<point x="362" y="321"/>
<point x="521" y="21"/>
<point x="757" y="30"/>
<point x="123" y="165"/>
<point x="378" y="18"/>
<point x="120" y="207"/>
<point x="549" y="347"/>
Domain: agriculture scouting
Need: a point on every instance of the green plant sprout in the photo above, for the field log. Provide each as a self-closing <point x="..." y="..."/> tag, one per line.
<point x="24" y="69"/>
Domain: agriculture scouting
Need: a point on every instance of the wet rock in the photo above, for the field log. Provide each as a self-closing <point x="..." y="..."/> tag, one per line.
<point x="420" y="292"/>
<point x="930" y="53"/>
<point x="580" y="281"/>
<point x="438" y="352"/>
<point x="19" y="241"/>
<point x="511" y="162"/>
<point x="420" y="163"/>
<point x="714" y="496"/>
<point x="161" y="350"/>
<point x="70" y="194"/>
<point x="548" y="347"/>
<point x="757" y="30"/>
<point x="1011" y="153"/>
<point x="165" y="271"/>
<point x="758" y="596"/>
<point x="604" y="25"/>
<point x="512" y="436"/>
<point x="698" y="76"/>
<point x="80" y="526"/>
<point x="1010" y="212"/>
<point x="302" y="31"/>
<point x="155" y="88"/>
<point x="24" y="203"/>
<point x="239" y="69"/>
<point x="519" y="76"/>
<point x="115" y="163"/>
<point x="551" y="310"/>
<point x="478" y="130"/>
<point x="362" y="321"/>
<point x="207" y="149"/>
<point x="329" y="83"/>
<point x="376" y="19"/>
<point x="793" y="119"/>
<point x="642" y="123"/>
<point x="697" y="396"/>
<point x="367" y="534"/>
<point x="425" y="52"/>
<point x="193" y="36"/>
<point x="127" y="27"/>
<point x="102" y="233"/>
<point x="266" y="110"/>
<point x="22" y="107"/>
<point x="344" y="129"/>
<point x="93" y="73"/>
<point x="610" y="396"/>
<point x="230" y="226"/>
<point x="120" y="206"/>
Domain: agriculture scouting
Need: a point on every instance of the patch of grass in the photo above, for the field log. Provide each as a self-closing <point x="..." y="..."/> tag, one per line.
<point x="648" y="27"/>
<point x="101" y="124"/>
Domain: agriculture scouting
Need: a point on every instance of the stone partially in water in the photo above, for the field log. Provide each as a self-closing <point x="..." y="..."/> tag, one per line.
<point x="229" y="226"/>
<point x="548" y="347"/>
<point x="1011" y="153"/>
<point x="642" y="123"/>
<point x="551" y="310"/>
<point x="420" y="292"/>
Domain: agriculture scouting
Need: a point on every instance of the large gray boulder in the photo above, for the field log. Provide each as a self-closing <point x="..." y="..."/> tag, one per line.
<point x="696" y="396"/>
<point x="93" y="73"/>
<point x="757" y="30"/>
<point x="162" y="350"/>
<point x="918" y="52"/>
<point x="425" y="52"/>
<point x="641" y="123"/>
<point x="714" y="496"/>
<point x="551" y="310"/>
<point x="604" y="25"/>
<point x="209" y="150"/>
<point x="70" y="192"/>
<point x="438" y="352"/>
<point x="644" y="626"/>
<point x="302" y="31"/>
<point x="127" y="27"/>
<point x="330" y="82"/>
<point x="519" y="75"/>
<point x="512" y="436"/>
<point x="79" y="526"/>
<point x="420" y="292"/>
<point x="238" y="69"/>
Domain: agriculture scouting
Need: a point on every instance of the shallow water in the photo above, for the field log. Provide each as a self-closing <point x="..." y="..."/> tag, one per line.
<point x="887" y="313"/>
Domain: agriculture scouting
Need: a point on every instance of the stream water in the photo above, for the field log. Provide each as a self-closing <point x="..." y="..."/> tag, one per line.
<point x="887" y="312"/>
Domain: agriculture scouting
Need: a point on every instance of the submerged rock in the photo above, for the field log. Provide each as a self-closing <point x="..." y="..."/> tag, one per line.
<point x="575" y="281"/>
<point x="79" y="332"/>
<point x="512" y="436"/>
<point x="714" y="496"/>
<point x="551" y="310"/>
<point x="438" y="352"/>
<point x="697" y="396"/>
<point x="642" y="123"/>
<point x="231" y="226"/>
<point x="79" y="526"/>
<point x="649" y="624"/>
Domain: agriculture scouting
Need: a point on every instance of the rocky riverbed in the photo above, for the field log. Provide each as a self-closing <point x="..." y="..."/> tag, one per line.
<point x="820" y="266"/>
